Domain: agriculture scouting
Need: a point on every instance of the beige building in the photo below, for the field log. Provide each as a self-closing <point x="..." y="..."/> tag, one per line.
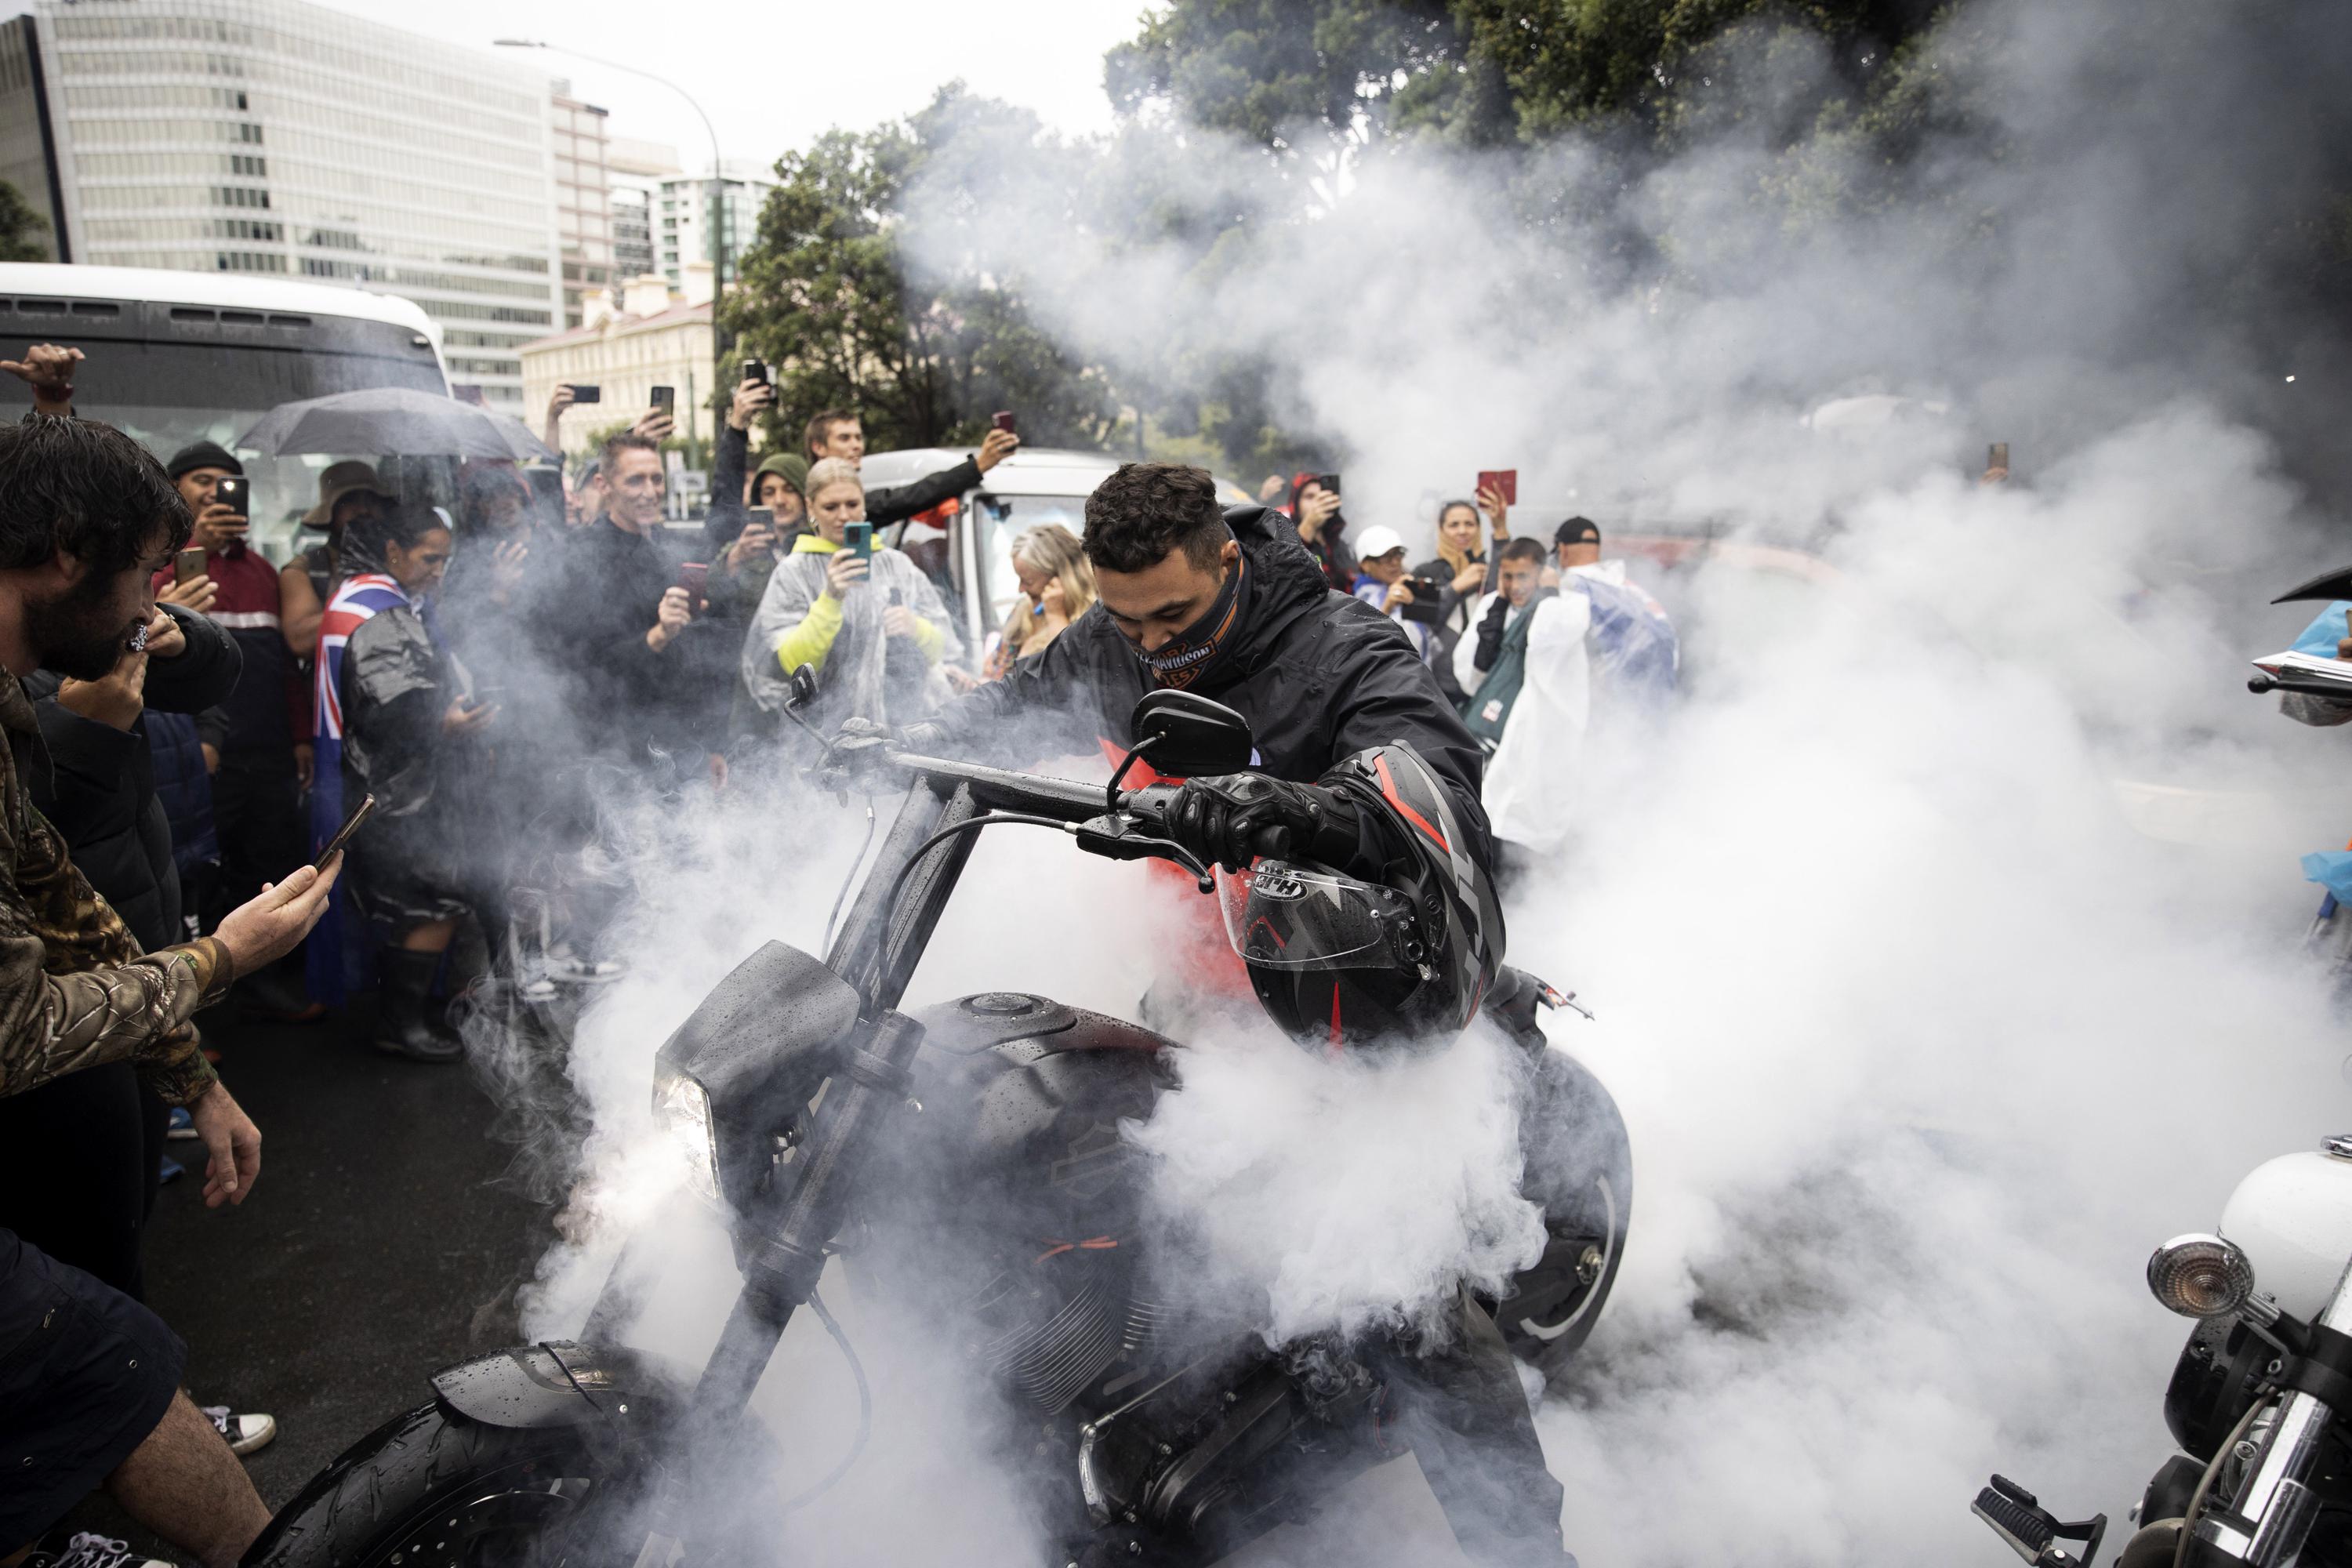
<point x="655" y="338"/>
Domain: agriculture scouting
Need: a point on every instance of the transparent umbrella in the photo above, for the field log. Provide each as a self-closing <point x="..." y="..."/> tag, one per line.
<point x="387" y="421"/>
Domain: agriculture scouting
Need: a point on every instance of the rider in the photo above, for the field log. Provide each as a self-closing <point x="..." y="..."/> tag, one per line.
<point x="1352" y="732"/>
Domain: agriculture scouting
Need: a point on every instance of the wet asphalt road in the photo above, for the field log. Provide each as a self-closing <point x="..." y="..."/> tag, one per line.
<point x="381" y="1242"/>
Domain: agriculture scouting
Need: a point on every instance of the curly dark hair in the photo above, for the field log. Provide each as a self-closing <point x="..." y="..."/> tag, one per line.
<point x="1145" y="510"/>
<point x="86" y="489"/>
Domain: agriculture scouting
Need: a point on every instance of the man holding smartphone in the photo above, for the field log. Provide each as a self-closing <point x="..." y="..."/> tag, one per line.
<point x="264" y="757"/>
<point x="618" y="629"/>
<point x="87" y="519"/>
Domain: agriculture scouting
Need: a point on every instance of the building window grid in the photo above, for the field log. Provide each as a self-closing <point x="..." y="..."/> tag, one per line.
<point x="235" y="99"/>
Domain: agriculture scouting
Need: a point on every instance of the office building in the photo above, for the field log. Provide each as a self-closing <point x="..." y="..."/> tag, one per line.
<point x="682" y="219"/>
<point x="271" y="136"/>
<point x="635" y="171"/>
<point x="584" y="221"/>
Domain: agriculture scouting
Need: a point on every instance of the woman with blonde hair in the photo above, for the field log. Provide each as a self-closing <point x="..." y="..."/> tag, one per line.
<point x="867" y="621"/>
<point x="1057" y="586"/>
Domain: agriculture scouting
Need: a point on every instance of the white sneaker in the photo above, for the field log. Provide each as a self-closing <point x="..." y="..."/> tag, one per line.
<point x="89" y="1551"/>
<point x="244" y="1432"/>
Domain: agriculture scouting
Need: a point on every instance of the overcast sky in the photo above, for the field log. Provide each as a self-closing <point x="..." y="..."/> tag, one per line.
<point x="771" y="76"/>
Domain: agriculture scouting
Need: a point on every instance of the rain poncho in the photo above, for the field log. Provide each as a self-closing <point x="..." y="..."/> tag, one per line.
<point x="861" y="672"/>
<point x="1600" y="654"/>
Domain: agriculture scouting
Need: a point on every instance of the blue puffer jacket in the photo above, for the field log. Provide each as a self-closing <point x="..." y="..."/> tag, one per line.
<point x="183" y="787"/>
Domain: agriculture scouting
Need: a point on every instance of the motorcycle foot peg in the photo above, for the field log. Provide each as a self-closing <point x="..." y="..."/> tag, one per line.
<point x="2031" y="1531"/>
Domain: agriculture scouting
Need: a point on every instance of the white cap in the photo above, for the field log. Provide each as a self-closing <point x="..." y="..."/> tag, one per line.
<point x="1377" y="541"/>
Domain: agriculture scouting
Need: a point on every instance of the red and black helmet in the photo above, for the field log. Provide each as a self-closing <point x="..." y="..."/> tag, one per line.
<point x="1338" y="961"/>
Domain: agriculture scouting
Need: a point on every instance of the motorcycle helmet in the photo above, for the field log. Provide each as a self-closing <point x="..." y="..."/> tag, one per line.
<point x="1338" y="961"/>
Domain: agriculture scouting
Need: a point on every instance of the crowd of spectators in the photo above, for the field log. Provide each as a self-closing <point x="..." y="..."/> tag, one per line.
<point x="479" y="667"/>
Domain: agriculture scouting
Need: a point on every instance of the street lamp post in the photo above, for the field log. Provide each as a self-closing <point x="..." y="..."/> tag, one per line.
<point x="717" y="186"/>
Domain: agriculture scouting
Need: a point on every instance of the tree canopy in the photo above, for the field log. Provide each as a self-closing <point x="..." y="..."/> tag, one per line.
<point x="827" y="294"/>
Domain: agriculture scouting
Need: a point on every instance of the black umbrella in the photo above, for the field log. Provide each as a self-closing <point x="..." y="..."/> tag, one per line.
<point x="2335" y="584"/>
<point x="392" y="421"/>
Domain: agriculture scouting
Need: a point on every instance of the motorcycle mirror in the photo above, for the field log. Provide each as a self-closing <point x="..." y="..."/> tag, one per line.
<point x="1187" y="736"/>
<point x="2335" y="584"/>
<point x="800" y="687"/>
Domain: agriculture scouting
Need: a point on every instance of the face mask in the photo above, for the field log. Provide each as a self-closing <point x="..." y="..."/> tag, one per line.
<point x="1181" y="661"/>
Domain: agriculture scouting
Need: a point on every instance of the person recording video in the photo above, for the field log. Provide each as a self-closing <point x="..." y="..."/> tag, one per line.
<point x="861" y="614"/>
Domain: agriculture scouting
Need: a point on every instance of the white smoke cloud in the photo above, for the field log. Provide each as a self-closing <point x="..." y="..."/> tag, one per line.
<point x="1943" y="952"/>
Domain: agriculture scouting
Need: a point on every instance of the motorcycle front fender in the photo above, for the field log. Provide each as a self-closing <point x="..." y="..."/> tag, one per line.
<point x="558" y="1384"/>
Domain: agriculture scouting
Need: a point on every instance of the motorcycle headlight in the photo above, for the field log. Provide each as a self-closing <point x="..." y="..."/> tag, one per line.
<point x="683" y="1109"/>
<point x="2200" y="1275"/>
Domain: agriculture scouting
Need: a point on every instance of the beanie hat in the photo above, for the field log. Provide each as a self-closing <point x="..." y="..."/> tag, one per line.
<point x="201" y="454"/>
<point x="790" y="465"/>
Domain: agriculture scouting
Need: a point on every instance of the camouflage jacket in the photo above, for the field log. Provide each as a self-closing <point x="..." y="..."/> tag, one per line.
<point x="74" y="989"/>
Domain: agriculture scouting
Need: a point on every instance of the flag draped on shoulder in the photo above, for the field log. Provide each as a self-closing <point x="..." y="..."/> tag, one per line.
<point x="359" y="600"/>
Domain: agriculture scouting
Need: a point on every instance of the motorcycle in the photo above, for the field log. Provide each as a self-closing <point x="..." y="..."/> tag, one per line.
<point x="2311" y="668"/>
<point x="789" y="1086"/>
<point x="2260" y="1399"/>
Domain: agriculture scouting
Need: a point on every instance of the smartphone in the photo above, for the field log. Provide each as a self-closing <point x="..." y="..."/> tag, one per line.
<point x="1004" y="421"/>
<point x="1505" y="482"/>
<point x="587" y="394"/>
<point x="231" y="491"/>
<point x="755" y="369"/>
<point x="693" y="576"/>
<point x="858" y="538"/>
<point x="1997" y="456"/>
<point x="547" y="492"/>
<point x="1329" y="481"/>
<point x="343" y="834"/>
<point x="666" y="398"/>
<point x="188" y="565"/>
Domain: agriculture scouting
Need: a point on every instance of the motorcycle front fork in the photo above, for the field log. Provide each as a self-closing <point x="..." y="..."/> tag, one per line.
<point x="784" y="1265"/>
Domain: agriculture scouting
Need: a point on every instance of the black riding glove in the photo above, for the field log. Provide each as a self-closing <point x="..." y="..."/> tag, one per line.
<point x="1490" y="634"/>
<point x="1232" y="818"/>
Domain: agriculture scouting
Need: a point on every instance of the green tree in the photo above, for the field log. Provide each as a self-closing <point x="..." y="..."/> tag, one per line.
<point x="924" y="353"/>
<point x="1476" y="71"/>
<point x="21" y="228"/>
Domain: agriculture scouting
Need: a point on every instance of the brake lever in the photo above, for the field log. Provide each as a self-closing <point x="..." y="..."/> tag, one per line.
<point x="1113" y="837"/>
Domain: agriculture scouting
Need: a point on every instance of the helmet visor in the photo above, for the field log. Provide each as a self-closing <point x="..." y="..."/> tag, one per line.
<point x="1280" y="916"/>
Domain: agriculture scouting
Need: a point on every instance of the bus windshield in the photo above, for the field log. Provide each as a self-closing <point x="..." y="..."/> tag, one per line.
<point x="168" y="394"/>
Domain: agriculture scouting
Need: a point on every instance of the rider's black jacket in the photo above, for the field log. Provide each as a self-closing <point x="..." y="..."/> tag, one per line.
<point x="1319" y="675"/>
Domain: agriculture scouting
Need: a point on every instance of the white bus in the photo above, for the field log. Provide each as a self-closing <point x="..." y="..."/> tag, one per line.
<point x="176" y="357"/>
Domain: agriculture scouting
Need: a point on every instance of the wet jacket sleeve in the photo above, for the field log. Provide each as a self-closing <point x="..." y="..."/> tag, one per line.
<point x="202" y="674"/>
<point x="91" y="762"/>
<point x="727" y="515"/>
<point x="1032" y="712"/>
<point x="75" y="991"/>
<point x="898" y="504"/>
<point x="1386" y="696"/>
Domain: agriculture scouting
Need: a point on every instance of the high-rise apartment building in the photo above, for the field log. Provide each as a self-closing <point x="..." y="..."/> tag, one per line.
<point x="584" y="221"/>
<point x="635" y="171"/>
<point x="272" y="136"/>
<point x="682" y="219"/>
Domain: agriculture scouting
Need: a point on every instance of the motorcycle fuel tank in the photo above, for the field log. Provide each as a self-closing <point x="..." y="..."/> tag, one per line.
<point x="2293" y="1216"/>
